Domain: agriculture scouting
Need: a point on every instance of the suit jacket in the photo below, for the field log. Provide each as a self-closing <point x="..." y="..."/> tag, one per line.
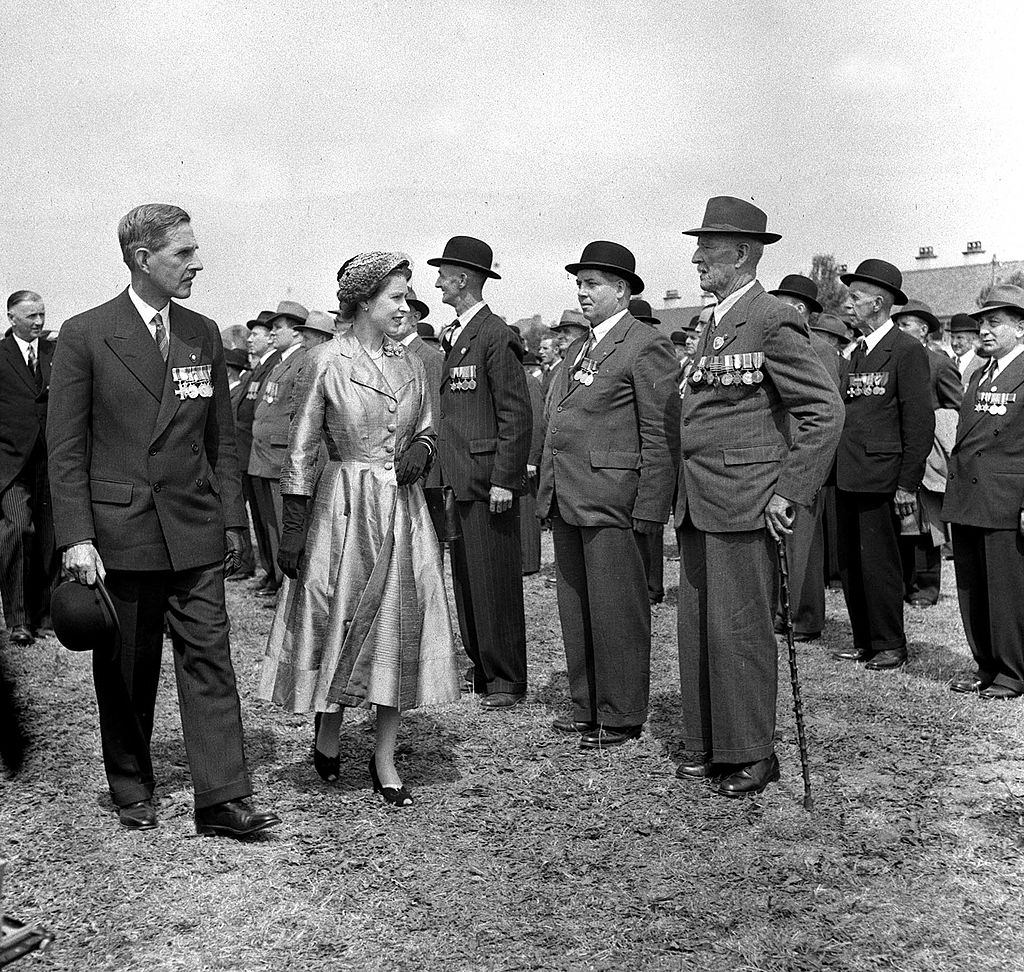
<point x="484" y="434"/>
<point x="149" y="475"/>
<point x="22" y="406"/>
<point x="985" y="479"/>
<point x="536" y="389"/>
<point x="246" y="409"/>
<point x="433" y="362"/>
<point x="609" y="451"/>
<point x="741" y="443"/>
<point x="273" y="416"/>
<point x="947" y="391"/>
<point x="887" y="437"/>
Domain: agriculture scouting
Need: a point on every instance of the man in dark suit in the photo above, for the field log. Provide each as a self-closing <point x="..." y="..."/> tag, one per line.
<point x="759" y="425"/>
<point x="147" y="497"/>
<point x="985" y="503"/>
<point x="484" y="442"/>
<point x="28" y="566"/>
<point x="805" y="545"/>
<point x="889" y="429"/>
<point x="923" y="534"/>
<point x="529" y="524"/>
<point x="606" y="476"/>
<point x="236" y="360"/>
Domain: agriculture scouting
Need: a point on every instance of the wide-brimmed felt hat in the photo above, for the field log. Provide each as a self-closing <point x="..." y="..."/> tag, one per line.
<point x="426" y="332"/>
<point x="289" y="309"/>
<point x="262" y="319"/>
<point x="318" y="321"/>
<point x="571" y="318"/>
<point x="831" y="324"/>
<point x="1001" y="297"/>
<point x="678" y="337"/>
<point x="641" y="310"/>
<point x="919" y="309"/>
<point x="881" y="274"/>
<point x="84" y="618"/>
<point x="963" y="324"/>
<point x="236" y="358"/>
<point x="416" y="304"/>
<point x="737" y="217"/>
<point x="802" y="288"/>
<point x="610" y="258"/>
<point x="467" y="251"/>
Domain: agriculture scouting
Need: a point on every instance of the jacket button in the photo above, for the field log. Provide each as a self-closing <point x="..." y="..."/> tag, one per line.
<point x="391" y="408"/>
<point x="975" y="479"/>
<point x="391" y="428"/>
<point x="156" y="487"/>
<point x="388" y="465"/>
<point x="389" y="448"/>
<point x="554" y="452"/>
<point x="442" y="414"/>
<point x="559" y="408"/>
<point x="554" y="429"/>
<point x="199" y="482"/>
<point x="153" y="451"/>
<point x="686" y="421"/>
<point x="195" y="448"/>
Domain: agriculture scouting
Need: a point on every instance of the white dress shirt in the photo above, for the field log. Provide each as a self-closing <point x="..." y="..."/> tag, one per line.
<point x="965" y="360"/>
<point x="871" y="340"/>
<point x="722" y="308"/>
<point x="25" y="345"/>
<point x="464" y="318"/>
<point x="1002" y="362"/>
<point x="410" y="337"/>
<point x="147" y="313"/>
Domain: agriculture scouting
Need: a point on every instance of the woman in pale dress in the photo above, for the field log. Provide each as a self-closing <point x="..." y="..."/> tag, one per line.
<point x="364" y="618"/>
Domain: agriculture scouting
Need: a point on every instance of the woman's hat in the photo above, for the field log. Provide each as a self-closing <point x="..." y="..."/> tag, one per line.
<point x="641" y="310"/>
<point x="611" y="258"/>
<point x="737" y="217"/>
<point x="919" y="309"/>
<point x="84" y="618"/>
<point x="881" y="274"/>
<point x="466" y="251"/>
<point x="802" y="288"/>
<point x="831" y="324"/>
<point x="963" y="324"/>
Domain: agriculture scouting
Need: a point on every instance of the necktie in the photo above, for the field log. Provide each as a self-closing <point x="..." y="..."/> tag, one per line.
<point x="447" y="334"/>
<point x="161" y="336"/>
<point x="859" y="353"/>
<point x="586" y="349"/>
<point x="33" y="366"/>
<point x="990" y="372"/>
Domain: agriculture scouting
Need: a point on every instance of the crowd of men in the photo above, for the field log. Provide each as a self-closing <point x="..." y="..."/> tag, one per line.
<point x="856" y="439"/>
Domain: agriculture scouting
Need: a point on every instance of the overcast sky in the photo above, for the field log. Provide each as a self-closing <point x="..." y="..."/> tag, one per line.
<point x="298" y="134"/>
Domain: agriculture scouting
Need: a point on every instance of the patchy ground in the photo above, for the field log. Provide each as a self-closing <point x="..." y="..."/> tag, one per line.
<point x="524" y="853"/>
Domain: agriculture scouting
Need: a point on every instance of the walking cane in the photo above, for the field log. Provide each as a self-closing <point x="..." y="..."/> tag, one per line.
<point x="794" y="676"/>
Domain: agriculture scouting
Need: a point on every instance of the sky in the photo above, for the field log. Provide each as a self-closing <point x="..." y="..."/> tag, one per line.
<point x="299" y="134"/>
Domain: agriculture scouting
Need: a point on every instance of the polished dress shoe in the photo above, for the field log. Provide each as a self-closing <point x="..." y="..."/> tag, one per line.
<point x="883" y="661"/>
<point x="502" y="700"/>
<point x="852" y="654"/>
<point x="396" y="796"/>
<point x="695" y="768"/>
<point x="20" y="635"/>
<point x="750" y="779"/>
<point x="604" y="736"/>
<point x="567" y="725"/>
<point x="233" y="819"/>
<point x="968" y="684"/>
<point x="137" y="816"/>
<point x="1001" y="693"/>
<point x="920" y="602"/>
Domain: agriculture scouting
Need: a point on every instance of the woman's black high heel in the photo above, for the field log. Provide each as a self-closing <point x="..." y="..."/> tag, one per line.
<point x="397" y="796"/>
<point x="328" y="768"/>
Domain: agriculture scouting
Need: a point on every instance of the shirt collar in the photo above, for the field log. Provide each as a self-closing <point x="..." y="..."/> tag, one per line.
<point x="871" y="340"/>
<point x="266" y="354"/>
<point x="409" y="338"/>
<point x="290" y="350"/>
<point x="1002" y="362"/>
<point x="724" y="306"/>
<point x="146" y="312"/>
<point x="25" y="345"/>
<point x="602" y="329"/>
<point x="466" y="316"/>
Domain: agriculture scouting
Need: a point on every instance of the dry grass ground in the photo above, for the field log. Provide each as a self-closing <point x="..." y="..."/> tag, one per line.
<point x="524" y="853"/>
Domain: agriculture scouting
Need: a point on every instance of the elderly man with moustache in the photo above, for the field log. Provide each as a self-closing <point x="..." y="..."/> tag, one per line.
<point x="759" y="424"/>
<point x="606" y="477"/>
<point x="147" y="497"/>
<point x="484" y="443"/>
<point x="28" y="567"/>
<point x="984" y="502"/>
<point x="890" y="424"/>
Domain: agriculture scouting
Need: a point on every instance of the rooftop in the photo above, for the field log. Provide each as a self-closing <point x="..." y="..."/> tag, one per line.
<point x="954" y="290"/>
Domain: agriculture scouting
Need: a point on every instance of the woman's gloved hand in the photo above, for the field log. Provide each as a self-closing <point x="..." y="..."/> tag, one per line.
<point x="413" y="463"/>
<point x="293" y="534"/>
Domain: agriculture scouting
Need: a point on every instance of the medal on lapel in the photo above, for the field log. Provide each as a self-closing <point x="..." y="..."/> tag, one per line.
<point x="585" y="371"/>
<point x="462" y="378"/>
<point x="270" y="392"/>
<point x="196" y="382"/>
<point x="994" y="402"/>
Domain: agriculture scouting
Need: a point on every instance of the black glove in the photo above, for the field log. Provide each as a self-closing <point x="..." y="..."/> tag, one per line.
<point x="294" y="526"/>
<point x="233" y="550"/>
<point x="413" y="463"/>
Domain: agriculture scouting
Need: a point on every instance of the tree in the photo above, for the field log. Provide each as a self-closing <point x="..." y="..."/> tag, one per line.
<point x="831" y="290"/>
<point x="1015" y="279"/>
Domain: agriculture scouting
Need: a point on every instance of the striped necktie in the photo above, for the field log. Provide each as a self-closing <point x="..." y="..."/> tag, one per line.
<point x="990" y="373"/>
<point x="163" y="345"/>
<point x="447" y="334"/>
<point x="33" y="366"/>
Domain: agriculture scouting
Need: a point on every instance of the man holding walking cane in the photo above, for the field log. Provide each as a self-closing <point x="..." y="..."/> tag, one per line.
<point x="760" y="422"/>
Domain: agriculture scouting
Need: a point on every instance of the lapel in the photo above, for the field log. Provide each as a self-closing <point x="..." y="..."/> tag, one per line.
<point x="728" y="327"/>
<point x="1008" y="380"/>
<point x="881" y="352"/>
<point x="604" y="349"/>
<point x="185" y="350"/>
<point x="363" y="371"/>
<point x="46" y="349"/>
<point x="461" y="347"/>
<point x="130" y="340"/>
<point x="18" y="365"/>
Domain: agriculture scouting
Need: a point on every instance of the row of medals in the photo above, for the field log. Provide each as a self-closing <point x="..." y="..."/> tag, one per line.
<point x="462" y="378"/>
<point x="867" y="383"/>
<point x="585" y="371"/>
<point x="729" y="369"/>
<point x="193" y="382"/>
<point x="994" y="402"/>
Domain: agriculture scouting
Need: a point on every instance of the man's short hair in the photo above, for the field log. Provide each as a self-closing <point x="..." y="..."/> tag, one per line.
<point x="148" y="226"/>
<point x="21" y="297"/>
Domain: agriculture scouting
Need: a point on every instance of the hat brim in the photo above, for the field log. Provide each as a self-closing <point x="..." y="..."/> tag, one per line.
<point x="834" y="331"/>
<point x="313" y="327"/>
<point x="733" y="231"/>
<point x="934" y="324"/>
<point x="251" y="325"/>
<point x="809" y="301"/>
<point x="636" y="284"/>
<point x="979" y="315"/>
<point x="419" y="307"/>
<point x="653" y="321"/>
<point x="287" y="317"/>
<point x="486" y="271"/>
<point x="898" y="295"/>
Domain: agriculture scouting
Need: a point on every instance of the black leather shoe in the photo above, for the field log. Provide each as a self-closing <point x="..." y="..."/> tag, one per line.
<point x="604" y="736"/>
<point x="750" y="779"/>
<point x="137" y="816"/>
<point x="805" y="636"/>
<point x="882" y="661"/>
<point x="968" y="684"/>
<point x="702" y="769"/>
<point x="502" y="700"/>
<point x="20" y="635"/>
<point x="1000" y="692"/>
<point x="852" y="654"/>
<point x="565" y="724"/>
<point x="233" y="819"/>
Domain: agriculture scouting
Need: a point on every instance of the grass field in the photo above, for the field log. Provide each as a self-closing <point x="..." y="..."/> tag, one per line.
<point x="523" y="852"/>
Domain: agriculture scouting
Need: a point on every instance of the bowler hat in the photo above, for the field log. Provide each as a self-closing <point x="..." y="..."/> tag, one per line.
<point x="416" y="304"/>
<point x="84" y="618"/>
<point x="737" y="217"/>
<point x="641" y="310"/>
<point x="318" y="321"/>
<point x="802" y="288"/>
<point x="571" y="318"/>
<point x="466" y="251"/>
<point x="236" y="358"/>
<point x="262" y="319"/>
<point x="919" y="309"/>
<point x="963" y="324"/>
<point x="881" y="274"/>
<point x="610" y="258"/>
<point x="831" y="324"/>
<point x="426" y="332"/>
<point x="678" y="337"/>
<point x="294" y="312"/>
<point x="1002" y="297"/>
